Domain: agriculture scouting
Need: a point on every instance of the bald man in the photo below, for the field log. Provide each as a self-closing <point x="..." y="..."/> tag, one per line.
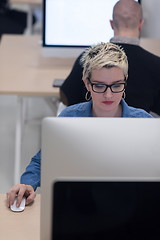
<point x="127" y="19"/>
<point x="143" y="84"/>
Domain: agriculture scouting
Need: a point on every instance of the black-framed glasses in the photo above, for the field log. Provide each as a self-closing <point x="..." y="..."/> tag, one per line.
<point x="101" y="88"/>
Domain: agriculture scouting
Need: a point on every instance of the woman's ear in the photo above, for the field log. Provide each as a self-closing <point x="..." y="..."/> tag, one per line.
<point x="86" y="83"/>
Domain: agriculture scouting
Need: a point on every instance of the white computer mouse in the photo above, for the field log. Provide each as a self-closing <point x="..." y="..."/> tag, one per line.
<point x="20" y="208"/>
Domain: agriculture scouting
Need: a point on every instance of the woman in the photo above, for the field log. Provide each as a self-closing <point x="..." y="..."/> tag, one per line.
<point x="105" y="72"/>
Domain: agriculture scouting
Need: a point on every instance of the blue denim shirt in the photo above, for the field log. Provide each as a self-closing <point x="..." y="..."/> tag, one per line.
<point x="32" y="174"/>
<point x="85" y="110"/>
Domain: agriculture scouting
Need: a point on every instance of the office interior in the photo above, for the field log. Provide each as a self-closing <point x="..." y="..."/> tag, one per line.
<point x="38" y="108"/>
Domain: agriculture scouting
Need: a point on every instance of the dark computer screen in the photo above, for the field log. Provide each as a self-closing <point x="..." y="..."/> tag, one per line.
<point x="106" y="210"/>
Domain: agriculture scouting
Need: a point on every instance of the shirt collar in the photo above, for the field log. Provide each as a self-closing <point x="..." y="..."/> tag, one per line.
<point x="125" y="109"/>
<point x="127" y="40"/>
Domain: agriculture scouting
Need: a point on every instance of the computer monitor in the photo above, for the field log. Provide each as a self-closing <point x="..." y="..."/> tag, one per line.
<point x="95" y="149"/>
<point x="70" y="26"/>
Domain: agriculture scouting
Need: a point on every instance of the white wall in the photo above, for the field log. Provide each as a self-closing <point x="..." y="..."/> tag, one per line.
<point x="151" y="14"/>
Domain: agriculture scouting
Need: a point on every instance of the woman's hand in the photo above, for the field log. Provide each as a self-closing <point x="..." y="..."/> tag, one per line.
<point x="20" y="191"/>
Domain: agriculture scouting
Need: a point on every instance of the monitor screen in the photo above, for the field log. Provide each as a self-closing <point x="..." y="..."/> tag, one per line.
<point x="92" y="210"/>
<point x="70" y="26"/>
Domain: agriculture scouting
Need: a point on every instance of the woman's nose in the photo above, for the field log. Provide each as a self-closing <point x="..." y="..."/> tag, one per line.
<point x="108" y="93"/>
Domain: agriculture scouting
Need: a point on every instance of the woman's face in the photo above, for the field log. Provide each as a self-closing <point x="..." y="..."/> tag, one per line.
<point x="106" y="104"/>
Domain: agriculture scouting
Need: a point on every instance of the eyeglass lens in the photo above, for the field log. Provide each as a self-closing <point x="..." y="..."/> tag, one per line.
<point x="100" y="88"/>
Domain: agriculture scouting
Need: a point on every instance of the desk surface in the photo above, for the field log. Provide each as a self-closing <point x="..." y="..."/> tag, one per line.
<point x="24" y="71"/>
<point x="20" y="226"/>
<point x="151" y="44"/>
<point x="31" y="2"/>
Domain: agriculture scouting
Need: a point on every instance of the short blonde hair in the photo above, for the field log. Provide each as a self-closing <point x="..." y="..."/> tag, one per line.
<point x="103" y="55"/>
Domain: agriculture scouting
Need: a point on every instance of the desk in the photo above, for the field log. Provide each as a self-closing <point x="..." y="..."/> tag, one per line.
<point x="151" y="44"/>
<point x="25" y="72"/>
<point x="23" y="69"/>
<point x="20" y="226"/>
<point x="31" y="4"/>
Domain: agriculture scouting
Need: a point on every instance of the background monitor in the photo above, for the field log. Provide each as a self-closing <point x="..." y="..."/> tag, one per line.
<point x="70" y="26"/>
<point x="96" y="149"/>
